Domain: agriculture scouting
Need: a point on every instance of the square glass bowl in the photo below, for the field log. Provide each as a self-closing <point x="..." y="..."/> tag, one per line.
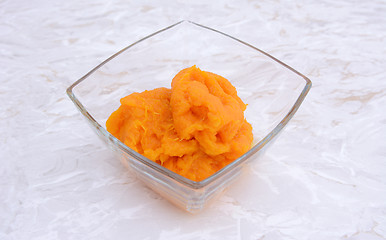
<point x="272" y="90"/>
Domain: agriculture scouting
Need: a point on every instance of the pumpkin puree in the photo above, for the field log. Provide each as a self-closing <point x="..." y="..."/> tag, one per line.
<point x="194" y="129"/>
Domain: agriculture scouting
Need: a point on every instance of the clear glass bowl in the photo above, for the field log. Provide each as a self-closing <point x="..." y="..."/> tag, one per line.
<point x="272" y="90"/>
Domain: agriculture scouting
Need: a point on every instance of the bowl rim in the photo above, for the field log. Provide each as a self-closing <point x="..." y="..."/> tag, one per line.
<point x="182" y="180"/>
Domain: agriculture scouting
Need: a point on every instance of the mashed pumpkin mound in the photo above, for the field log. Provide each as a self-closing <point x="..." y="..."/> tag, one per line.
<point x="194" y="129"/>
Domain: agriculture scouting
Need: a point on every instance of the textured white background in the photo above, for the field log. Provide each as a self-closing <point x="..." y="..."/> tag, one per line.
<point x="324" y="178"/>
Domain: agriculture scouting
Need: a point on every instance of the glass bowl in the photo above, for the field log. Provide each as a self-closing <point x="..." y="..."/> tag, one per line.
<point x="272" y="90"/>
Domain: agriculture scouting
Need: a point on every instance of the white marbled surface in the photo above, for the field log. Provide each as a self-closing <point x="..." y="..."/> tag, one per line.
<point x="324" y="178"/>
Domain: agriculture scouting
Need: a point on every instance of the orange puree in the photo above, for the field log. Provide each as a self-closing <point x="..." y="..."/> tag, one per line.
<point x="194" y="129"/>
